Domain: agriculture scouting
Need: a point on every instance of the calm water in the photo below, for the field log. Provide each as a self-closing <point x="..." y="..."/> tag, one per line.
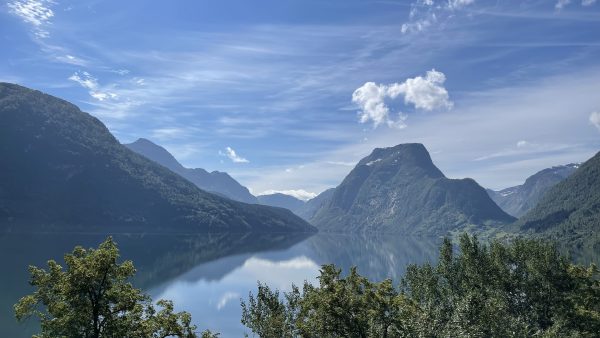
<point x="208" y="274"/>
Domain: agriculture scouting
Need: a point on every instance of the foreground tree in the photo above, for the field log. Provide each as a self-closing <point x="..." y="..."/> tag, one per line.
<point x="93" y="298"/>
<point x="522" y="289"/>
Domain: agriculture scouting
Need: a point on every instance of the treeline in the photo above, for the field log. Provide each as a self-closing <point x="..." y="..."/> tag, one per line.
<point x="522" y="289"/>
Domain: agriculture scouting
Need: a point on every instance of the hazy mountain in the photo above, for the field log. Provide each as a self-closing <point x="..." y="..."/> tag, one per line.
<point x="216" y="181"/>
<point x="308" y="210"/>
<point x="400" y="190"/>
<point x="282" y="201"/>
<point x="518" y="200"/>
<point x="61" y="166"/>
<point x="570" y="211"/>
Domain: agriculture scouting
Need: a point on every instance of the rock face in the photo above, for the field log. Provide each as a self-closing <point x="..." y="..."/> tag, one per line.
<point x="281" y="201"/>
<point x="400" y="190"/>
<point x="516" y="201"/>
<point x="62" y="167"/>
<point x="308" y="210"/>
<point x="570" y="211"/>
<point x="218" y="182"/>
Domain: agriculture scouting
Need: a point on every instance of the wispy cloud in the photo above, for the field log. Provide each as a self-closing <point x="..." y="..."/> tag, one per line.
<point x="86" y="80"/>
<point x="426" y="93"/>
<point x="233" y="156"/>
<point x="226" y="298"/>
<point x="427" y="13"/>
<point x="37" y="13"/>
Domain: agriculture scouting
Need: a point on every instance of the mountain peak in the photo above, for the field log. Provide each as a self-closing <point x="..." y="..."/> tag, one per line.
<point x="409" y="157"/>
<point x="155" y="152"/>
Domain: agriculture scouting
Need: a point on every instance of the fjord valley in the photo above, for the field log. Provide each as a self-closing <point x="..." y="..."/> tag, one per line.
<point x="68" y="171"/>
<point x="299" y="169"/>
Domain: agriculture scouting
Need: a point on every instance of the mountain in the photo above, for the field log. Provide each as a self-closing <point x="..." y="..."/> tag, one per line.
<point x="569" y="211"/>
<point x="518" y="200"/>
<point x="218" y="182"/>
<point x="400" y="190"/>
<point x="308" y="210"/>
<point x="62" y="167"/>
<point x="282" y="201"/>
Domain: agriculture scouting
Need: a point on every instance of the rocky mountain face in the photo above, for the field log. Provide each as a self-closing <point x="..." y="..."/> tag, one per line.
<point x="218" y="182"/>
<point x="570" y="211"/>
<point x="400" y="190"/>
<point x="517" y="200"/>
<point x="63" y="168"/>
<point x="308" y="210"/>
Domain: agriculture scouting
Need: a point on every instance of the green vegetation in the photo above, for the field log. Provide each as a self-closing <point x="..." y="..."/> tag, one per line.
<point x="522" y="289"/>
<point x="92" y="298"/>
<point x="569" y="212"/>
<point x="400" y="190"/>
<point x="68" y="171"/>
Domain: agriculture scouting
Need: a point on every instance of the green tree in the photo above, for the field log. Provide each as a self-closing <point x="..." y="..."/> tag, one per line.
<point x="522" y="289"/>
<point x="93" y="298"/>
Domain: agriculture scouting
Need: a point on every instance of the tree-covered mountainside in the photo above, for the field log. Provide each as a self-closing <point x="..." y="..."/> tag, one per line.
<point x="62" y="167"/>
<point x="400" y="190"/>
<point x="282" y="201"/>
<point x="216" y="181"/>
<point x="311" y="206"/>
<point x="570" y="211"/>
<point x="518" y="200"/>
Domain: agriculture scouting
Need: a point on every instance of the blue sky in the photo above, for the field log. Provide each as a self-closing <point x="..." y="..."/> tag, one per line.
<point x="289" y="95"/>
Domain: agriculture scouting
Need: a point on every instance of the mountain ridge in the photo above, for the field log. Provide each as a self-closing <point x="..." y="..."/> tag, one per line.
<point x="67" y="169"/>
<point x="400" y="190"/>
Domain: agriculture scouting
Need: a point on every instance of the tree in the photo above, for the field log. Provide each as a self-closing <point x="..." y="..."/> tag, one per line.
<point x="522" y="289"/>
<point x="93" y="298"/>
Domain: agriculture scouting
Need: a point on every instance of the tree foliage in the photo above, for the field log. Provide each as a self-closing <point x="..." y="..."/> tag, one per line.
<point x="93" y="298"/>
<point x="522" y="289"/>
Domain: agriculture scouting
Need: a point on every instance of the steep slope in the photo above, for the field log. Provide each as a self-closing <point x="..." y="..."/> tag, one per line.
<point x="518" y="200"/>
<point x="281" y="201"/>
<point x="570" y="211"/>
<point x="308" y="210"/>
<point x="400" y="190"/>
<point x="63" y="168"/>
<point x="217" y="182"/>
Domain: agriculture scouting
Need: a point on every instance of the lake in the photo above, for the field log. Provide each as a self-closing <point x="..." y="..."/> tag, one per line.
<point x="208" y="274"/>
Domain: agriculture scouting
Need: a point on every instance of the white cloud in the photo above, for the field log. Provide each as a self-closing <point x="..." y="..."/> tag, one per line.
<point x="298" y="193"/>
<point x="86" y="80"/>
<point x="34" y="12"/>
<point x="457" y="4"/>
<point x="587" y="2"/>
<point x="228" y="296"/>
<point x="229" y="152"/>
<point x="595" y="119"/>
<point x="562" y="4"/>
<point x="426" y="13"/>
<point x="522" y="144"/>
<point x="426" y="93"/>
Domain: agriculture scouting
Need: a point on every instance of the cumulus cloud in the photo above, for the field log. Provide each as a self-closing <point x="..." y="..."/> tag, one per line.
<point x="233" y="156"/>
<point x="595" y="119"/>
<point x="298" y="193"/>
<point x="86" y="80"/>
<point x="457" y="4"/>
<point x="424" y="92"/>
<point x="34" y="12"/>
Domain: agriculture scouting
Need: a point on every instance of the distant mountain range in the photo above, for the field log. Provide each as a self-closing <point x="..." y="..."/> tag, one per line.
<point x="570" y="211"/>
<point x="282" y="201"/>
<point x="400" y="190"/>
<point x="216" y="181"/>
<point x="62" y="167"/>
<point x="516" y="201"/>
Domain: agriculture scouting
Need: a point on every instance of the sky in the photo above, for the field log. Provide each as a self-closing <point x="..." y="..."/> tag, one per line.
<point x="288" y="95"/>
